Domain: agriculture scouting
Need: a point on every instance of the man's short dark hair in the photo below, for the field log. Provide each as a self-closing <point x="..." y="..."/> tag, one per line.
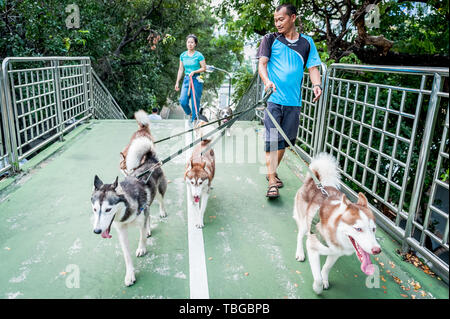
<point x="154" y="110"/>
<point x="290" y="9"/>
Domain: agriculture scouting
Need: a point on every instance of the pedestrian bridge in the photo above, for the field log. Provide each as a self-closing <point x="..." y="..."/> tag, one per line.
<point x="246" y="249"/>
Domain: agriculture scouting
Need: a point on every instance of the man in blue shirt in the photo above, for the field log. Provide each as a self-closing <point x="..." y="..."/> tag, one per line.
<point x="283" y="56"/>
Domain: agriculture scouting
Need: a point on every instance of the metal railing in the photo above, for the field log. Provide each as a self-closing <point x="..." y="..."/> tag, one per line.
<point x="104" y="104"/>
<point x="42" y="99"/>
<point x="384" y="136"/>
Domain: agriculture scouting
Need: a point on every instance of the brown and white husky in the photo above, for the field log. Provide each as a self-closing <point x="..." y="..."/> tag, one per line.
<point x="344" y="227"/>
<point x="199" y="175"/>
<point x="141" y="142"/>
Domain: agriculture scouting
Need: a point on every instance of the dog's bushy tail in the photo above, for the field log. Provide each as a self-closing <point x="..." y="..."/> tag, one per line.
<point x="142" y="118"/>
<point x="326" y="169"/>
<point x="139" y="147"/>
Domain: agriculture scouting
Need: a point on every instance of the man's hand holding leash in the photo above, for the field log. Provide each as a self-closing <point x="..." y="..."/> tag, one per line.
<point x="317" y="89"/>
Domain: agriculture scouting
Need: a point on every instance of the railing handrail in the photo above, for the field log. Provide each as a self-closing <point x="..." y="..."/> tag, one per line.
<point x="392" y="69"/>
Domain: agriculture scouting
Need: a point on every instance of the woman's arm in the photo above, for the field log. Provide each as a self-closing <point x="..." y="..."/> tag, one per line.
<point x="179" y="76"/>
<point x="202" y="68"/>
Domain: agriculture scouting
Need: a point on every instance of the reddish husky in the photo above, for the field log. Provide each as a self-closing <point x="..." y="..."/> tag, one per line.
<point x="343" y="229"/>
<point x="141" y="142"/>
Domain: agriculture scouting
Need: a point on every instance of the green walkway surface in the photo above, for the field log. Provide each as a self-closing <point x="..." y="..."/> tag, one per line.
<point x="48" y="248"/>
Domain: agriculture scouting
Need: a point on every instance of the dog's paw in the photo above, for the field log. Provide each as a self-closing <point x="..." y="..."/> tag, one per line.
<point x="318" y="287"/>
<point x="326" y="284"/>
<point x="162" y="214"/>
<point x="141" y="252"/>
<point x="199" y="225"/>
<point x="300" y="256"/>
<point x="130" y="279"/>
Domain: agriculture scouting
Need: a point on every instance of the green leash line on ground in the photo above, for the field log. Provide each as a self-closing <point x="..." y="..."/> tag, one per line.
<point x="192" y="144"/>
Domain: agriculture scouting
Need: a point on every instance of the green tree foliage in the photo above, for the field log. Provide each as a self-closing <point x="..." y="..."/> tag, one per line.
<point x="406" y="27"/>
<point x="134" y="44"/>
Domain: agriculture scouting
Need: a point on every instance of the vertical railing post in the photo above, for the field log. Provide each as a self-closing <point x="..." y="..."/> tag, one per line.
<point x="91" y="90"/>
<point x="322" y="117"/>
<point x="423" y="157"/>
<point x="85" y="85"/>
<point x="8" y="112"/>
<point x="5" y="131"/>
<point x="319" y="110"/>
<point x="58" y="100"/>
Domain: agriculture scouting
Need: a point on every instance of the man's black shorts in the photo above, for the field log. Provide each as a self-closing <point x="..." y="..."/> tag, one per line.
<point x="288" y="118"/>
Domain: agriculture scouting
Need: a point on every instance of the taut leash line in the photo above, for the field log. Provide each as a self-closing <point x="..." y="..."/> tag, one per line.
<point x="283" y="134"/>
<point x="192" y="144"/>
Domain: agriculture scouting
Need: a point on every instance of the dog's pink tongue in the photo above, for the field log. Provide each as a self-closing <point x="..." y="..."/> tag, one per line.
<point x="366" y="264"/>
<point x="196" y="199"/>
<point x="106" y="234"/>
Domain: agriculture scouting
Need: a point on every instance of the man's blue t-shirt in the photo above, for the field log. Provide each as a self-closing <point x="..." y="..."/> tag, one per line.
<point x="286" y="64"/>
<point x="191" y="63"/>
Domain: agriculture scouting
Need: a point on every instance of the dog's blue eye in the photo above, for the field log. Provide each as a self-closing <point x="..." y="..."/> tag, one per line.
<point x="358" y="229"/>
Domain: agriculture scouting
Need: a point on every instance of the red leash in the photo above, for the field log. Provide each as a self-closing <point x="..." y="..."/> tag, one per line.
<point x="191" y="84"/>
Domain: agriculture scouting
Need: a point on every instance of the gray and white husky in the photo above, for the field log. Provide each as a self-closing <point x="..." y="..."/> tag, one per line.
<point x="224" y="115"/>
<point x="128" y="203"/>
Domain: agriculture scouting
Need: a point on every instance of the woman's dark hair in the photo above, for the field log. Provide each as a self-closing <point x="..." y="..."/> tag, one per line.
<point x="290" y="9"/>
<point x="193" y="37"/>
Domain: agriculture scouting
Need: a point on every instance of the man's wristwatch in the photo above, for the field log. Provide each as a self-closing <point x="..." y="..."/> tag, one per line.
<point x="318" y="86"/>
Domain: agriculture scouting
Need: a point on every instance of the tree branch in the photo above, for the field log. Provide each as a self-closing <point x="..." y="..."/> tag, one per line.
<point x="128" y="37"/>
<point x="382" y="44"/>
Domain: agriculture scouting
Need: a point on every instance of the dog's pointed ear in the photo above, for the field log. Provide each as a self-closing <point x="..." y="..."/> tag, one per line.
<point x="345" y="200"/>
<point x="97" y="182"/>
<point x="116" y="182"/>
<point x="362" y="200"/>
<point x="192" y="163"/>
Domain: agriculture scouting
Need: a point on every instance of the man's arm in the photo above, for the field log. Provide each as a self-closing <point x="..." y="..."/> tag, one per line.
<point x="314" y="75"/>
<point x="262" y="70"/>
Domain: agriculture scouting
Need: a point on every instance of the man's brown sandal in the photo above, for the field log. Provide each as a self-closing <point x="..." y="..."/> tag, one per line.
<point x="279" y="182"/>
<point x="272" y="192"/>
